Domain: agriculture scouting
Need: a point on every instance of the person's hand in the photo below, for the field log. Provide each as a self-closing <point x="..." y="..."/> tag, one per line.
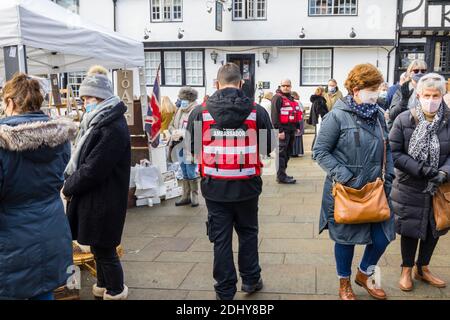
<point x="282" y="136"/>
<point x="439" y="179"/>
<point x="177" y="135"/>
<point x="429" y="172"/>
<point x="299" y="131"/>
<point x="386" y="116"/>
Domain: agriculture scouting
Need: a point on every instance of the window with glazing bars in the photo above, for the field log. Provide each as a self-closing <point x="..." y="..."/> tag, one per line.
<point x="166" y="10"/>
<point x="333" y="7"/>
<point x="249" y="9"/>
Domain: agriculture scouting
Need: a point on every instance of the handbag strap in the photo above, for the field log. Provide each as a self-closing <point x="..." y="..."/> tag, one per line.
<point x="383" y="168"/>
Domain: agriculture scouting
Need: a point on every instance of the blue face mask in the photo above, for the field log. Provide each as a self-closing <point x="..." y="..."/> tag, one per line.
<point x="417" y="76"/>
<point x="184" y="104"/>
<point x="91" y="107"/>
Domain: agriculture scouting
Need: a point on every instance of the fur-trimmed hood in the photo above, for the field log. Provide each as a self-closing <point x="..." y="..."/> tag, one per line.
<point x="29" y="136"/>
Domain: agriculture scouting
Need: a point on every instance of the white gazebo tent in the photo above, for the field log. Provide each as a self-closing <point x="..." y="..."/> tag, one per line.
<point x="57" y="40"/>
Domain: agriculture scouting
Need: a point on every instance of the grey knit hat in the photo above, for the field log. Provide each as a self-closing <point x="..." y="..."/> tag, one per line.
<point x="97" y="86"/>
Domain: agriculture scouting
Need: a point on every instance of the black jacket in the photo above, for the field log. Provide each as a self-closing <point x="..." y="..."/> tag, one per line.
<point x="277" y="103"/>
<point x="318" y="108"/>
<point x="399" y="103"/>
<point x="99" y="187"/>
<point x="230" y="108"/>
<point x="413" y="208"/>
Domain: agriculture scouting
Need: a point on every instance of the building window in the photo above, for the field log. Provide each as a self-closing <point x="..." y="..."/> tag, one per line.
<point x="152" y="62"/>
<point x="172" y="68"/>
<point x="442" y="57"/>
<point x="317" y="66"/>
<point x="194" y="68"/>
<point x="74" y="80"/>
<point x="333" y="7"/>
<point x="408" y="53"/>
<point x="72" y="5"/>
<point x="249" y="9"/>
<point x="166" y="10"/>
<point x="178" y="67"/>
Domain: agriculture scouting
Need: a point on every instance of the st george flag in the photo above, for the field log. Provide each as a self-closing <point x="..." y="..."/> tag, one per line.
<point x="153" y="118"/>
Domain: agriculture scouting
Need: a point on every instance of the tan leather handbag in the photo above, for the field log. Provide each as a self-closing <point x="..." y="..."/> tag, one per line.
<point x="441" y="207"/>
<point x="367" y="205"/>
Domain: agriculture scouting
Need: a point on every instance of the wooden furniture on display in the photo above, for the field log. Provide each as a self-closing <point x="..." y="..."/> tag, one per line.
<point x="83" y="260"/>
<point x="139" y="141"/>
<point x="68" y="103"/>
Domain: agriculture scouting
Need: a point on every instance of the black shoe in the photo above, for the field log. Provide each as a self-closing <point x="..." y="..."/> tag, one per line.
<point x="287" y="181"/>
<point x="290" y="177"/>
<point x="253" y="288"/>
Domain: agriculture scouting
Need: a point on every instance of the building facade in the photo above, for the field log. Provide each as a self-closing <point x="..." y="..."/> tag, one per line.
<point x="307" y="41"/>
<point x="424" y="33"/>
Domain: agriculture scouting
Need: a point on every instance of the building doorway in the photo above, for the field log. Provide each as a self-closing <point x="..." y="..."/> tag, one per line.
<point x="246" y="63"/>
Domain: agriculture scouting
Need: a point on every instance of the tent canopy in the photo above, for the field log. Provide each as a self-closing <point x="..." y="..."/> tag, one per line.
<point x="58" y="40"/>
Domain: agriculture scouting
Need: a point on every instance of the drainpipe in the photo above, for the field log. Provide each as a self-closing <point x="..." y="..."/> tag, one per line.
<point x="115" y="14"/>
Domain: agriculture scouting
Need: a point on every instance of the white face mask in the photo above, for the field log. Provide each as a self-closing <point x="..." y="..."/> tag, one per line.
<point x="430" y="105"/>
<point x="368" y="97"/>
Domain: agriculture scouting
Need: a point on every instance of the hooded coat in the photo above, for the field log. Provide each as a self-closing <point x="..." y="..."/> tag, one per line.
<point x="230" y="108"/>
<point x="99" y="187"/>
<point x="412" y="207"/>
<point x="318" y="109"/>
<point x="347" y="148"/>
<point x="35" y="239"/>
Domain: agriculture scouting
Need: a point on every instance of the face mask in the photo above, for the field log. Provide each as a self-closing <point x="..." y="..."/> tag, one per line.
<point x="430" y="105"/>
<point x="91" y="107"/>
<point x="184" y="104"/>
<point x="368" y="97"/>
<point x="331" y="89"/>
<point x="417" y="76"/>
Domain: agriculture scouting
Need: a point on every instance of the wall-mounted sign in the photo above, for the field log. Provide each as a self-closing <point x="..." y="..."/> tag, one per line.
<point x="125" y="92"/>
<point x="264" y="85"/>
<point x="219" y="16"/>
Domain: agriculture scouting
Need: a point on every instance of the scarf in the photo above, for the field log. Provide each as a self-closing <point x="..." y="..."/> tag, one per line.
<point x="424" y="144"/>
<point x="87" y="123"/>
<point x="367" y="112"/>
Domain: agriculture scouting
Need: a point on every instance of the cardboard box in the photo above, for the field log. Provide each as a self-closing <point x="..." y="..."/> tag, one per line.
<point x="174" y="193"/>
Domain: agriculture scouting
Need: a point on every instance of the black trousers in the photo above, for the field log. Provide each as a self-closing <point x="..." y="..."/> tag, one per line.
<point x="286" y="148"/>
<point x="426" y="249"/>
<point x="109" y="270"/>
<point x="222" y="217"/>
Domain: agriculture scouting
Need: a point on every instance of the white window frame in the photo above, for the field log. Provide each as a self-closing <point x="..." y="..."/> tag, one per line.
<point x="74" y="7"/>
<point x="151" y="67"/>
<point x="161" y="5"/>
<point x="194" y="69"/>
<point x="303" y="67"/>
<point x="74" y="80"/>
<point x="331" y="6"/>
<point x="249" y="10"/>
<point x="176" y="68"/>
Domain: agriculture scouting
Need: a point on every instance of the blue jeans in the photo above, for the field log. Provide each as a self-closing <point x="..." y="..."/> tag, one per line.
<point x="189" y="169"/>
<point x="344" y="253"/>
<point x="45" y="296"/>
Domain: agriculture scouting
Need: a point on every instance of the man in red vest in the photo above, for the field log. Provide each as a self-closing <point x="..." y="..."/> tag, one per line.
<point x="227" y="135"/>
<point x="286" y="117"/>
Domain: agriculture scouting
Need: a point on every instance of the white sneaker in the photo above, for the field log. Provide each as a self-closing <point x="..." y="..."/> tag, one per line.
<point x="121" y="296"/>
<point x="97" y="291"/>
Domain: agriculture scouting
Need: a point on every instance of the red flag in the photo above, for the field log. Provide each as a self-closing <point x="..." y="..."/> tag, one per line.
<point x="153" y="118"/>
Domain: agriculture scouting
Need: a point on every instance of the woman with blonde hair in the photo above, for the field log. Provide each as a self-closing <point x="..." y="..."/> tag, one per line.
<point x="168" y="110"/>
<point x="406" y="98"/>
<point x="266" y="102"/>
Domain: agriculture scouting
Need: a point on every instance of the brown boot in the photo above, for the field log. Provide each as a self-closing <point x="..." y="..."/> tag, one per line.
<point x="428" y="277"/>
<point x="369" y="284"/>
<point x="406" y="283"/>
<point x="345" y="289"/>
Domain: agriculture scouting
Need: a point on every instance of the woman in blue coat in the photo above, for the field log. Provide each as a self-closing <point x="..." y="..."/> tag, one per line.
<point x="350" y="149"/>
<point x="35" y="239"/>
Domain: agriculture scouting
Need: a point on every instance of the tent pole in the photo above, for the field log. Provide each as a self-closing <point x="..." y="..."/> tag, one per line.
<point x="15" y="58"/>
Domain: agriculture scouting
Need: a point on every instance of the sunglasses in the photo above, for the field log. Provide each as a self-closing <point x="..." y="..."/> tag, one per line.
<point x="286" y="85"/>
<point x="416" y="71"/>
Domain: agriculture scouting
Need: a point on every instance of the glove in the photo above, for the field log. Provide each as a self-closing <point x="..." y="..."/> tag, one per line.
<point x="429" y="172"/>
<point x="435" y="182"/>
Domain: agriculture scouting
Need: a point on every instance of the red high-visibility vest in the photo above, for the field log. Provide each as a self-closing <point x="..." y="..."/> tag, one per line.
<point x="290" y="111"/>
<point x="230" y="154"/>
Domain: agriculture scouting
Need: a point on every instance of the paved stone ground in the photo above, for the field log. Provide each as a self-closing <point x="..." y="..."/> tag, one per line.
<point x="168" y="255"/>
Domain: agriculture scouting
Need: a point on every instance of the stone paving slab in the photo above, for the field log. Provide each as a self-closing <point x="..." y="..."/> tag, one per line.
<point x="168" y="255"/>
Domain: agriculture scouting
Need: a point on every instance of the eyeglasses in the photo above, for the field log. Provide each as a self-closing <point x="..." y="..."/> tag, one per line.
<point x="286" y="85"/>
<point x="416" y="71"/>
